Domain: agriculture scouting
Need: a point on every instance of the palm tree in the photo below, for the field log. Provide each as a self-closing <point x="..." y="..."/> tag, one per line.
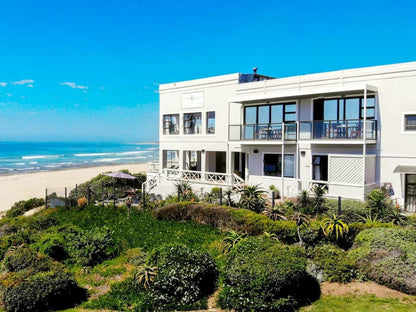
<point x="184" y="189"/>
<point x="231" y="240"/>
<point x="252" y="199"/>
<point x="274" y="214"/>
<point x="227" y="195"/>
<point x="304" y="202"/>
<point x="318" y="199"/>
<point x="302" y="220"/>
<point x="334" y="225"/>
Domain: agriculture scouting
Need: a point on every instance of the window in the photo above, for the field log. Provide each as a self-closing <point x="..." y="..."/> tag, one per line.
<point x="320" y="168"/>
<point x="192" y="123"/>
<point x="410" y="122"/>
<point x="170" y="159"/>
<point x="171" y="124"/>
<point x="210" y="122"/>
<point x="274" y="113"/>
<point x="343" y="108"/>
<point x="273" y="165"/>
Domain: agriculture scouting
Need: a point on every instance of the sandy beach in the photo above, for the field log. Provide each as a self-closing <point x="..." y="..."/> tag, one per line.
<point x="24" y="186"/>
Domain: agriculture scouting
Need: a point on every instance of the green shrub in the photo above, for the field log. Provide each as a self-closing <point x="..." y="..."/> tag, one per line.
<point x="334" y="263"/>
<point x="25" y="258"/>
<point x="200" y="213"/>
<point x="184" y="276"/>
<point x="22" y="206"/>
<point x="136" y="256"/>
<point x="43" y="291"/>
<point x="252" y="198"/>
<point x="261" y="275"/>
<point x="92" y="246"/>
<point x="352" y="210"/>
<point x="388" y="256"/>
<point x="124" y="296"/>
<point x="53" y="245"/>
<point x="227" y="218"/>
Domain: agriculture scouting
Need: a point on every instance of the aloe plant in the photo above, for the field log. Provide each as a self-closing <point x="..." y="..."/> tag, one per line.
<point x="334" y="226"/>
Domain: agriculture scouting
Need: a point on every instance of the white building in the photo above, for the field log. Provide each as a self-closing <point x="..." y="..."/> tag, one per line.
<point x="352" y="130"/>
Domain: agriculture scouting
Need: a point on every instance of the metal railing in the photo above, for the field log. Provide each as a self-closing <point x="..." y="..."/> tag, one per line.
<point x="337" y="129"/>
<point x="308" y="130"/>
<point x="271" y="131"/>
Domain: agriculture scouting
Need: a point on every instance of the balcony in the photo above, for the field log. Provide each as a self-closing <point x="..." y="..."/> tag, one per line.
<point x="308" y="130"/>
<point x="263" y="132"/>
<point x="338" y="130"/>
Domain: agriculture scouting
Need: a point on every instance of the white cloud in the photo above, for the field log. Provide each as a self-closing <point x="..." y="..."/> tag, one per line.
<point x="73" y="85"/>
<point x="8" y="94"/>
<point x="28" y="82"/>
<point x="3" y="84"/>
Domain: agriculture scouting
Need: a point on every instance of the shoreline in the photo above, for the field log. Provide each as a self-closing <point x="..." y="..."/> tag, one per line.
<point x="23" y="186"/>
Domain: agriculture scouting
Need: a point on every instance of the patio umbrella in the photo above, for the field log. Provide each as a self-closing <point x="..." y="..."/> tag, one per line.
<point x="118" y="175"/>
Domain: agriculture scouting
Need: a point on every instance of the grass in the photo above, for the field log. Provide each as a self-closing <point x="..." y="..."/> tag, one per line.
<point x="140" y="230"/>
<point x="364" y="303"/>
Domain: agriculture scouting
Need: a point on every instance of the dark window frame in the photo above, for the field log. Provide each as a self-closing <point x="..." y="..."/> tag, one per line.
<point x="341" y="107"/>
<point x="207" y="129"/>
<point x="284" y="112"/>
<point x="279" y="171"/>
<point x="169" y="160"/>
<point x="171" y="130"/>
<point x="407" y="127"/>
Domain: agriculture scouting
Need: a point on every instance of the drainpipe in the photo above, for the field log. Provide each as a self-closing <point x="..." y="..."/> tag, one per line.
<point x="283" y="160"/>
<point x="364" y="138"/>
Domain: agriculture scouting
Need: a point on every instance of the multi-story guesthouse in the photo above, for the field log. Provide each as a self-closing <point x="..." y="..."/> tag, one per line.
<point x="351" y="130"/>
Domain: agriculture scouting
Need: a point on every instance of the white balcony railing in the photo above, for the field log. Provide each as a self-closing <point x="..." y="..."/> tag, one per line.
<point x="216" y="178"/>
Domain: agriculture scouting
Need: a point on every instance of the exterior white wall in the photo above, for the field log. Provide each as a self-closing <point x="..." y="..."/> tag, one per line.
<point x="392" y="85"/>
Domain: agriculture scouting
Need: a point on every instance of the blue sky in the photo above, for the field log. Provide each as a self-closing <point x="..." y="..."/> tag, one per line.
<point x="89" y="70"/>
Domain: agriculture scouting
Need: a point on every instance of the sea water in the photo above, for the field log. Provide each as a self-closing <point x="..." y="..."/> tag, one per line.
<point x="23" y="157"/>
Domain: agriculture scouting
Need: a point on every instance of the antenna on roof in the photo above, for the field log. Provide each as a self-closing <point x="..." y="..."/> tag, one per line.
<point x="255" y="70"/>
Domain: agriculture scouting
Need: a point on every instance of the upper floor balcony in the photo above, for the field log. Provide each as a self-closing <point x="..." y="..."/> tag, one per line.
<point x="264" y="132"/>
<point x="334" y="130"/>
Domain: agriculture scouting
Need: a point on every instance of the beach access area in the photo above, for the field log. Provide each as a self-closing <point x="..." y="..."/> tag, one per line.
<point x="18" y="187"/>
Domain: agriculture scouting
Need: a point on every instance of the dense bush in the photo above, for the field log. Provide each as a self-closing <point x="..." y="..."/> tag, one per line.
<point x="25" y="258"/>
<point x="54" y="245"/>
<point x="35" y="282"/>
<point x="183" y="280"/>
<point x="227" y="218"/>
<point x="43" y="291"/>
<point x="260" y="275"/>
<point x="90" y="247"/>
<point x="184" y="277"/>
<point x="352" y="210"/>
<point x="388" y="257"/>
<point x="22" y="206"/>
<point x="332" y="263"/>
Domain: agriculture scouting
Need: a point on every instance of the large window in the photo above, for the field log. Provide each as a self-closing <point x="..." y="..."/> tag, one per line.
<point x="343" y="108"/>
<point x="273" y="165"/>
<point x="271" y="113"/>
<point x="171" y="124"/>
<point x="211" y="122"/>
<point x="410" y="122"/>
<point x="192" y="123"/>
<point x="171" y="159"/>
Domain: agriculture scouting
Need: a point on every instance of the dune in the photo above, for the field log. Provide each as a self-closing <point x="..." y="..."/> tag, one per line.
<point x="24" y="186"/>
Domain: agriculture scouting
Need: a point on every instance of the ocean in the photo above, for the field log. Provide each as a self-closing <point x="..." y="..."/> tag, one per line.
<point x="24" y="157"/>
